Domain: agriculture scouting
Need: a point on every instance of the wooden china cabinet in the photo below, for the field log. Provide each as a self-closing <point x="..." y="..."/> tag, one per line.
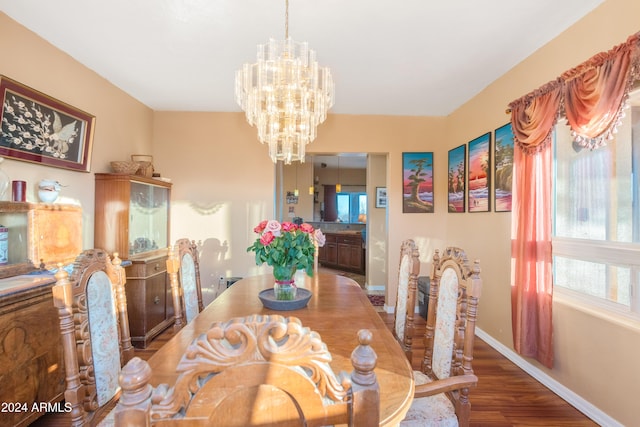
<point x="132" y="218"/>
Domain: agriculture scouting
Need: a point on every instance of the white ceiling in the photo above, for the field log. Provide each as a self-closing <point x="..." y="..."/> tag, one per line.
<point x="392" y="57"/>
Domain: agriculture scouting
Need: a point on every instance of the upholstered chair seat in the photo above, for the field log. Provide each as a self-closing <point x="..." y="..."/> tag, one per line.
<point x="436" y="410"/>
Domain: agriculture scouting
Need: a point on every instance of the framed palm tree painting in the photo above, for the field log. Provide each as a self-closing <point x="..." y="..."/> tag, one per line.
<point x="417" y="182"/>
<point x="456" y="175"/>
<point x="479" y="176"/>
<point x="503" y="167"/>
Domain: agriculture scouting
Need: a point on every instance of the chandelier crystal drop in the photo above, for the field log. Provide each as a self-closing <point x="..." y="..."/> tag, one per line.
<point x="286" y="95"/>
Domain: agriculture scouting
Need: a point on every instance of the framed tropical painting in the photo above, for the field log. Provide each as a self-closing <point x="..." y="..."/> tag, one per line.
<point x="456" y="175"/>
<point x="479" y="176"/>
<point x="417" y="182"/>
<point x="503" y="167"/>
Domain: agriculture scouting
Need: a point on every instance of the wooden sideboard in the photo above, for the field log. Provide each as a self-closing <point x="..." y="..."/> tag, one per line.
<point x="149" y="301"/>
<point x="31" y="359"/>
<point x="343" y="250"/>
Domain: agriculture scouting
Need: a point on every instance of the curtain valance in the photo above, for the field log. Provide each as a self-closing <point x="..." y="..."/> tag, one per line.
<point x="591" y="96"/>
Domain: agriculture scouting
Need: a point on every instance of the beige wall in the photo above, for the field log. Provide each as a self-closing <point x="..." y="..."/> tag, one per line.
<point x="224" y="181"/>
<point x="123" y="125"/>
<point x="595" y="356"/>
<point x="377" y="227"/>
<point x="223" y="186"/>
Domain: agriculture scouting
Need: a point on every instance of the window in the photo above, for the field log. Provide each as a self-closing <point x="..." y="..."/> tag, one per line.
<point x="351" y="206"/>
<point x="596" y="244"/>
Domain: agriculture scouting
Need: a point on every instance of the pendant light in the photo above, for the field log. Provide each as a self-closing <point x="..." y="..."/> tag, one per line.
<point x="311" y="176"/>
<point x="338" y="185"/>
<point x="295" y="191"/>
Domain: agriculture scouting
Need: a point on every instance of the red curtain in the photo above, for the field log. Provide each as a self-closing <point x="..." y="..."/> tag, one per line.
<point x="531" y="274"/>
<point x="534" y="116"/>
<point x="592" y="97"/>
<point x="595" y="93"/>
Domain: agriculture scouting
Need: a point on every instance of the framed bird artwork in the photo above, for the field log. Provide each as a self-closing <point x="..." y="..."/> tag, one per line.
<point x="40" y="129"/>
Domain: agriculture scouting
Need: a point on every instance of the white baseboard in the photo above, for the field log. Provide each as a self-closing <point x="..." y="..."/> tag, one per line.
<point x="574" y="399"/>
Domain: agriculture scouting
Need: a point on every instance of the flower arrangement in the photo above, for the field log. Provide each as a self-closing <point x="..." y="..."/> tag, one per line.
<point x="286" y="247"/>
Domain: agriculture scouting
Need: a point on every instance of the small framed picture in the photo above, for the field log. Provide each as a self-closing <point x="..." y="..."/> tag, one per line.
<point x="381" y="197"/>
<point x="292" y="199"/>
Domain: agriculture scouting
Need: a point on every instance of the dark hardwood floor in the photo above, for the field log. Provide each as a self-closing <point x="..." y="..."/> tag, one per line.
<point x="505" y="395"/>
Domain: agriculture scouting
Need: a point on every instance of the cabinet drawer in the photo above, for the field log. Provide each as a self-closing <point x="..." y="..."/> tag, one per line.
<point x="331" y="238"/>
<point x="147" y="268"/>
<point x="350" y="240"/>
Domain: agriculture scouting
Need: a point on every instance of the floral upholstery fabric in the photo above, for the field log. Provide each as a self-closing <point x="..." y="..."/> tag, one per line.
<point x="401" y="300"/>
<point x="189" y="290"/>
<point x="434" y="410"/>
<point x="445" y="324"/>
<point x="103" y="329"/>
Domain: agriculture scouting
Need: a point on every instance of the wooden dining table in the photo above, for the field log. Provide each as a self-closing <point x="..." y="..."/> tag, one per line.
<point x="337" y="310"/>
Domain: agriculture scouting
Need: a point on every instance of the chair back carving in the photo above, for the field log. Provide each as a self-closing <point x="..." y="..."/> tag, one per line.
<point x="451" y="320"/>
<point x="408" y="272"/>
<point x="183" y="266"/>
<point x="268" y="362"/>
<point x="95" y="330"/>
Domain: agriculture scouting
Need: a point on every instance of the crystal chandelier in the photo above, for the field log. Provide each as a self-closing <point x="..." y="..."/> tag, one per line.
<point x="286" y="95"/>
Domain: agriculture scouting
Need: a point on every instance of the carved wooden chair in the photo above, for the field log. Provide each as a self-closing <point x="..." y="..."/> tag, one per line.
<point x="183" y="267"/>
<point x="408" y="271"/>
<point x="94" y="325"/>
<point x="442" y="386"/>
<point x="255" y="371"/>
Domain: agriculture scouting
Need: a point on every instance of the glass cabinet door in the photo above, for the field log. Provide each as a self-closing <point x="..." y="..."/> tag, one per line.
<point x="149" y="215"/>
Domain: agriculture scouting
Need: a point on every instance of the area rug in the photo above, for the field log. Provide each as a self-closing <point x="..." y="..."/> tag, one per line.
<point x="376" y="300"/>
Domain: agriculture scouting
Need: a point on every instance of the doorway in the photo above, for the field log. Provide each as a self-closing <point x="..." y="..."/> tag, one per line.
<point x="302" y="188"/>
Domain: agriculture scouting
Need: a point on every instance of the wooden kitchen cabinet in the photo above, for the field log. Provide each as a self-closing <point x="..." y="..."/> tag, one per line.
<point x="132" y="218"/>
<point x="328" y="254"/>
<point x="343" y="251"/>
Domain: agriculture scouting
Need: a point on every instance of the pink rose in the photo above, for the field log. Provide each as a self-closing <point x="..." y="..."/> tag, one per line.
<point x="289" y="226"/>
<point x="267" y="238"/>
<point x="260" y="227"/>
<point x="274" y="227"/>
<point x="307" y="228"/>
<point x="320" y="237"/>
